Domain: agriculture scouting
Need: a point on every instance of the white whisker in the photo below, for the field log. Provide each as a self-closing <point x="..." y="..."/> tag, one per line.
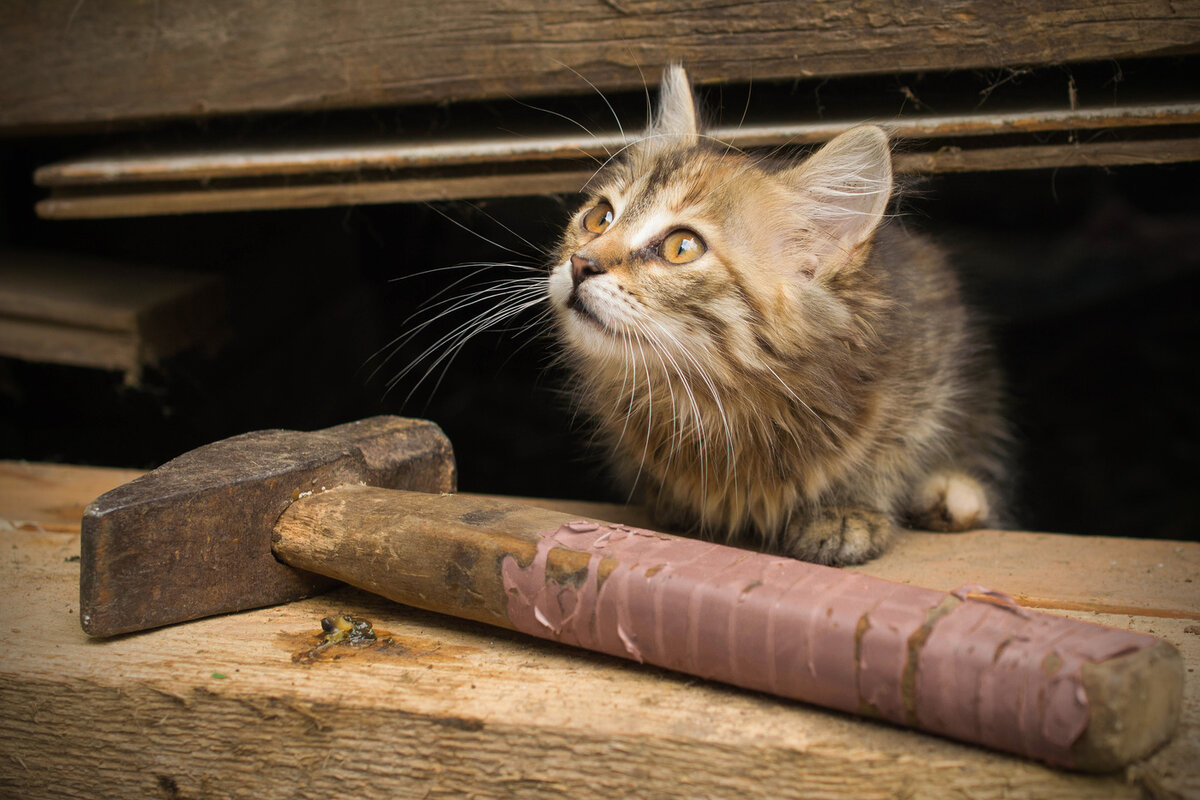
<point x="574" y="122"/>
<point x="476" y="233"/>
<point x="602" y="97"/>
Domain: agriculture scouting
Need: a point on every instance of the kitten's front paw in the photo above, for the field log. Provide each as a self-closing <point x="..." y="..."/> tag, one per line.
<point x="949" y="501"/>
<point x="838" y="536"/>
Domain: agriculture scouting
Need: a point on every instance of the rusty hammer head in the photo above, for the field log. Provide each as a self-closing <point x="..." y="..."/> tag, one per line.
<point x="193" y="537"/>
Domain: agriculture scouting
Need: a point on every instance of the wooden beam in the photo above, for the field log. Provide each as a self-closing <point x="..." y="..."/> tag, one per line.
<point x="86" y="312"/>
<point x="284" y="158"/>
<point x="49" y="343"/>
<point x="401" y="190"/>
<point x="150" y="198"/>
<point x="241" y="705"/>
<point x="1082" y="154"/>
<point x="63" y="62"/>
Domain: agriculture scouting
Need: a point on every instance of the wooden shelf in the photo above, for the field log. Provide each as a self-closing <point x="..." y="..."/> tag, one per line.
<point x="87" y="312"/>
<point x="280" y="174"/>
<point x="229" y="707"/>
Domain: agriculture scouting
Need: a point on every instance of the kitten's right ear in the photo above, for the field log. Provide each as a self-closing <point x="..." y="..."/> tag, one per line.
<point x="842" y="193"/>
<point x="675" y="121"/>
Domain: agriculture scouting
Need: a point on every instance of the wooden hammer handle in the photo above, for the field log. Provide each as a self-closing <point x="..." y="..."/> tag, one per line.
<point x="969" y="664"/>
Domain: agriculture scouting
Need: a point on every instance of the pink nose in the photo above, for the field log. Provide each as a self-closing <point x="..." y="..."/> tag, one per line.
<point x="583" y="268"/>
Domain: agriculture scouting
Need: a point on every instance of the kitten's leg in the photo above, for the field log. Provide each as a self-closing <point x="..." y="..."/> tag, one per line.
<point x="837" y="535"/>
<point x="949" y="501"/>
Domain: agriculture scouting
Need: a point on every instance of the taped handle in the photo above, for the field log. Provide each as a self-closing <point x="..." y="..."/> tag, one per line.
<point x="971" y="664"/>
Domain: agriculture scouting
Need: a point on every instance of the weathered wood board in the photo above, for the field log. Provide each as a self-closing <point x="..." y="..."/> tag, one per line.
<point x="65" y="309"/>
<point x="237" y="706"/>
<point x="154" y="200"/>
<point x="287" y="174"/>
<point x="65" y="62"/>
<point x="372" y="154"/>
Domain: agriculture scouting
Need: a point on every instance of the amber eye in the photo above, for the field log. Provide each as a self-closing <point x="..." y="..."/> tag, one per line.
<point x="599" y="218"/>
<point x="682" y="246"/>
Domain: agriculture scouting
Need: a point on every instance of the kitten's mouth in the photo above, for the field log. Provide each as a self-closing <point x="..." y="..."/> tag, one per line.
<point x="574" y="303"/>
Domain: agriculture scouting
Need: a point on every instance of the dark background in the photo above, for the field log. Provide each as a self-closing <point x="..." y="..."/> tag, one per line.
<point x="1089" y="277"/>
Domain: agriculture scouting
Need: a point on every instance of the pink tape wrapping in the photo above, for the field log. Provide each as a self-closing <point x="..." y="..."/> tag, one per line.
<point x="970" y="664"/>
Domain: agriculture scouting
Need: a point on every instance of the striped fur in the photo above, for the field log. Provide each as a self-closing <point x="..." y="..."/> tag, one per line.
<point x="811" y="380"/>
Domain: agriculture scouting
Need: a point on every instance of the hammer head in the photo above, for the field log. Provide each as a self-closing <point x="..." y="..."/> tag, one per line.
<point x="193" y="537"/>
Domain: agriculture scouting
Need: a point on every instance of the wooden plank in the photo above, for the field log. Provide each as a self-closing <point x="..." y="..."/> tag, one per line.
<point x="52" y="496"/>
<point x="283" y="158"/>
<point x="47" y="343"/>
<point x="85" y="312"/>
<point x="227" y="707"/>
<point x="91" y="292"/>
<point x="239" y="706"/>
<point x="1081" y="154"/>
<point x="148" y="199"/>
<point x="64" y="62"/>
<point x="201" y="200"/>
<point x="1146" y="577"/>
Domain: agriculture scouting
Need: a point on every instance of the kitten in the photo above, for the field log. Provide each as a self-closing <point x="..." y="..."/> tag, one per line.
<point x="771" y="361"/>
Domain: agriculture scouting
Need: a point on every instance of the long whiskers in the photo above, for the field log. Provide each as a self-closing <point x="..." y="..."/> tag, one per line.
<point x="396" y="344"/>
<point x="574" y="122"/>
<point x="503" y="301"/>
<point x="695" y="364"/>
<point x="611" y="110"/>
<point x="478" y="235"/>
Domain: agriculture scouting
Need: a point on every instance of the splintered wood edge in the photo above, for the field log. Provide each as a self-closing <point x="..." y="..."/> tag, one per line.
<point x="1135" y="702"/>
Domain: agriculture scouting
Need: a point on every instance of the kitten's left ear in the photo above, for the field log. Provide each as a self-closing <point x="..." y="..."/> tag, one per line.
<point x="675" y="120"/>
<point x="843" y="191"/>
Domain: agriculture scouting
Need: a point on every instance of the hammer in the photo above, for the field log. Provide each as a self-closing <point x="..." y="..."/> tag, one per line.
<point x="273" y="516"/>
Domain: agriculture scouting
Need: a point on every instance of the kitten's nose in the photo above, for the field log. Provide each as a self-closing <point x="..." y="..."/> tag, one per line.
<point x="583" y="268"/>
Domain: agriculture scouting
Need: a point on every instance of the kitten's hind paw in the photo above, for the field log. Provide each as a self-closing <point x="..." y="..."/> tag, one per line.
<point x="949" y="501"/>
<point x="838" y="536"/>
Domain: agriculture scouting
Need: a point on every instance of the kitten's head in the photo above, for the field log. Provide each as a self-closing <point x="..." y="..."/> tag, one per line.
<point x="713" y="257"/>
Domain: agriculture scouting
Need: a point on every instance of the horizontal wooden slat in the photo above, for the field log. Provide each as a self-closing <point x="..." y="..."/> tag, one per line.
<point x="1082" y="154"/>
<point x="201" y="200"/>
<point x="91" y="292"/>
<point x="62" y="309"/>
<point x="150" y="199"/>
<point x="283" y="158"/>
<point x="65" y="62"/>
<point x="46" y="343"/>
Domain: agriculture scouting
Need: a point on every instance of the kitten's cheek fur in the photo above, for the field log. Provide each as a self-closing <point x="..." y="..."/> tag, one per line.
<point x="582" y="335"/>
<point x="559" y="288"/>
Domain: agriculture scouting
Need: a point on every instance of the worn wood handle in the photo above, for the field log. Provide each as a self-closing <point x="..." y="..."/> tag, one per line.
<point x="970" y="664"/>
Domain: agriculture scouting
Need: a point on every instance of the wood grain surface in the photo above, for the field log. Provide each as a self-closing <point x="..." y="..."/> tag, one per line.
<point x="63" y="309"/>
<point x="534" y="178"/>
<point x="241" y="706"/>
<point x="69" y="62"/>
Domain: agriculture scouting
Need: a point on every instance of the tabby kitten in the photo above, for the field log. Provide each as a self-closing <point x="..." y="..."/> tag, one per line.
<point x="771" y="361"/>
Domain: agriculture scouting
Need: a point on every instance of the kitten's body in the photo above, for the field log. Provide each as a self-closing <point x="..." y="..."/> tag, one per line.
<point x="807" y="380"/>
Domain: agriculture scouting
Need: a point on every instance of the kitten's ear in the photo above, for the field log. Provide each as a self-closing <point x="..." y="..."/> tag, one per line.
<point x="844" y="189"/>
<point x="675" y="120"/>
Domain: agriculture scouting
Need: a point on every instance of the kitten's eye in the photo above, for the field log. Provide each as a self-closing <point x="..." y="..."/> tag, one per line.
<point x="682" y="246"/>
<point x="598" y="219"/>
